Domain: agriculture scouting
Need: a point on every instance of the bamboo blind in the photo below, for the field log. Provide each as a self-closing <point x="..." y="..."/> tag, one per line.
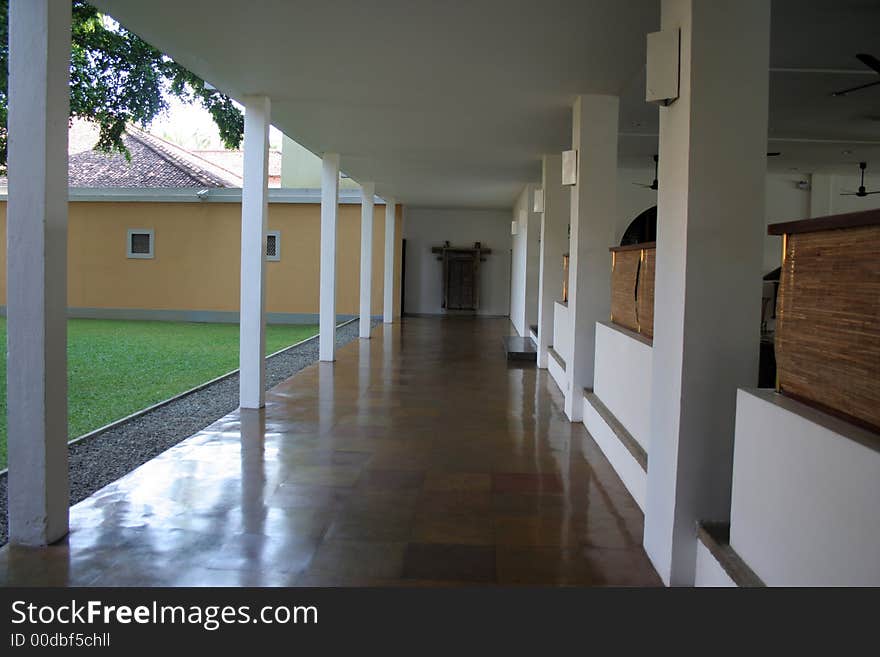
<point x="632" y="288"/>
<point x="646" y="293"/>
<point x="624" y="275"/>
<point x="828" y="321"/>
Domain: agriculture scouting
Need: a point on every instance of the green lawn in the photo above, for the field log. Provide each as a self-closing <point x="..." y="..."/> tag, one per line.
<point x="118" y="367"/>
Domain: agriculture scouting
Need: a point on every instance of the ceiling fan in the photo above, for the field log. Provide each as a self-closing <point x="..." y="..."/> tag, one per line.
<point x="862" y="191"/>
<point x="871" y="62"/>
<point x="654" y="185"/>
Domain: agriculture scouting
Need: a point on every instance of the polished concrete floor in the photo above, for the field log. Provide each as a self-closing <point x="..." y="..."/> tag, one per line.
<point x="420" y="457"/>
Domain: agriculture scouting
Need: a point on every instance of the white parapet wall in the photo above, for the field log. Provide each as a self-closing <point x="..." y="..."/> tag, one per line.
<point x="806" y="489"/>
<point x="622" y="379"/>
<point x="618" y="412"/>
<point x="561" y="331"/>
<point x="557" y="371"/>
<point x="631" y="468"/>
<point x="710" y="572"/>
<point x="561" y="344"/>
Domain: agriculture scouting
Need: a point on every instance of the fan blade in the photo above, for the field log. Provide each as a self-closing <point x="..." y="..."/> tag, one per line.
<point x="875" y="192"/>
<point x="870" y="61"/>
<point x="773" y="153"/>
<point x="844" y="92"/>
<point x="642" y="185"/>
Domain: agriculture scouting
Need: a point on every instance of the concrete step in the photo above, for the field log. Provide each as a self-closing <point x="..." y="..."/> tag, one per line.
<point x="518" y="348"/>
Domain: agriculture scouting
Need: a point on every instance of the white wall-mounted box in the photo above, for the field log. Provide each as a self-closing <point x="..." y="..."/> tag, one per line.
<point x="662" y="70"/>
<point x="539" y="200"/>
<point x="569" y="167"/>
<point x="514" y="227"/>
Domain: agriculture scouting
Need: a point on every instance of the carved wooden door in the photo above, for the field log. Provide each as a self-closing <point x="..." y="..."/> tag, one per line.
<point x="461" y="283"/>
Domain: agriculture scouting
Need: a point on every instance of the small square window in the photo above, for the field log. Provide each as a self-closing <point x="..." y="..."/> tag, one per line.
<point x="139" y="243"/>
<point x="273" y="245"/>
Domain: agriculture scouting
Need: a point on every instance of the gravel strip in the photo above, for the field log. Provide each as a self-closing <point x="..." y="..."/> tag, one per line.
<point x="98" y="461"/>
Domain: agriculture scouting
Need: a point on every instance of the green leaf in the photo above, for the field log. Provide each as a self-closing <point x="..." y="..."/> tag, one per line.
<point x="116" y="79"/>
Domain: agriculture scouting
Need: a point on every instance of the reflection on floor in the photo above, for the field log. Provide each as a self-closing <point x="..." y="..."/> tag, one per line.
<point x="418" y="458"/>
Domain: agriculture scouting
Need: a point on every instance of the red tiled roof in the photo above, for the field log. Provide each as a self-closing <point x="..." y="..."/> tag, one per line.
<point x="154" y="163"/>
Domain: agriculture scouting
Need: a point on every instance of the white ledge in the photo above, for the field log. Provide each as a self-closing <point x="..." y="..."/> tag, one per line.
<point x="838" y="425"/>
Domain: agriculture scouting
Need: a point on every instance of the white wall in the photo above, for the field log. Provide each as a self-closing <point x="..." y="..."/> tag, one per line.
<point x="428" y="227"/>
<point x="785" y="202"/>
<point x="525" y="260"/>
<point x="561" y="331"/>
<point x="301" y="169"/>
<point x="623" y="379"/>
<point x="632" y="199"/>
<point x="710" y="573"/>
<point x="805" y="495"/>
<point x="633" y="476"/>
<point x="826" y="199"/>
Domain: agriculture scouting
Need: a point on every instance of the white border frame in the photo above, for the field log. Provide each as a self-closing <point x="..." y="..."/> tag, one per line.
<point x="140" y="256"/>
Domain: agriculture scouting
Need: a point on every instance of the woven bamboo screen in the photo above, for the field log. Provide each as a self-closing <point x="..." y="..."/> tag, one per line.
<point x="646" y="293"/>
<point x="828" y="321"/>
<point x="632" y="287"/>
<point x="624" y="275"/>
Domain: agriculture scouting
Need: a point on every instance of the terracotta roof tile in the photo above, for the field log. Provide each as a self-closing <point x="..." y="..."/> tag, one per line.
<point x="154" y="163"/>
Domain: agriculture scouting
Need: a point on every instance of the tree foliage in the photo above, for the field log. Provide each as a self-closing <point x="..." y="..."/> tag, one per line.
<point x="117" y="78"/>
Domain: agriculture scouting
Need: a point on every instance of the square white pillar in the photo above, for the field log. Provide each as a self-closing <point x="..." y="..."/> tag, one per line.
<point x="329" y="210"/>
<point x="554" y="244"/>
<point x="707" y="292"/>
<point x="593" y="211"/>
<point x="368" y="191"/>
<point x="39" y="52"/>
<point x="254" y="213"/>
<point x="525" y="261"/>
<point x="390" y="241"/>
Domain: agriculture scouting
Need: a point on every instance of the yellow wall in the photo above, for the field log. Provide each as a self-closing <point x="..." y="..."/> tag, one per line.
<point x="197" y="255"/>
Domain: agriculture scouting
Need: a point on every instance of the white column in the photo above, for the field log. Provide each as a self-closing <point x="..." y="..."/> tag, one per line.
<point x="39" y="50"/>
<point x="390" y="240"/>
<point x="368" y="191"/>
<point x="707" y="303"/>
<point x="329" y="209"/>
<point x="554" y="244"/>
<point x="532" y="261"/>
<point x="593" y="210"/>
<point x="254" y="213"/>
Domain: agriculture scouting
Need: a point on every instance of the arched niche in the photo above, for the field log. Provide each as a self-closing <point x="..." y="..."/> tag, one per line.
<point x="641" y="229"/>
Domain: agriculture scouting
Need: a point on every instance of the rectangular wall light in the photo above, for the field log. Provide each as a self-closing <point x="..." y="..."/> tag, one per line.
<point x="569" y="167"/>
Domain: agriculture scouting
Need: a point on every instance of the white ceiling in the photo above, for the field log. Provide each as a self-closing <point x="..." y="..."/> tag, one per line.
<point x="452" y="103"/>
<point x="813" y="130"/>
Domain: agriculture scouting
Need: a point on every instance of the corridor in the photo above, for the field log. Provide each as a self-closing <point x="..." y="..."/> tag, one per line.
<point x="418" y="458"/>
